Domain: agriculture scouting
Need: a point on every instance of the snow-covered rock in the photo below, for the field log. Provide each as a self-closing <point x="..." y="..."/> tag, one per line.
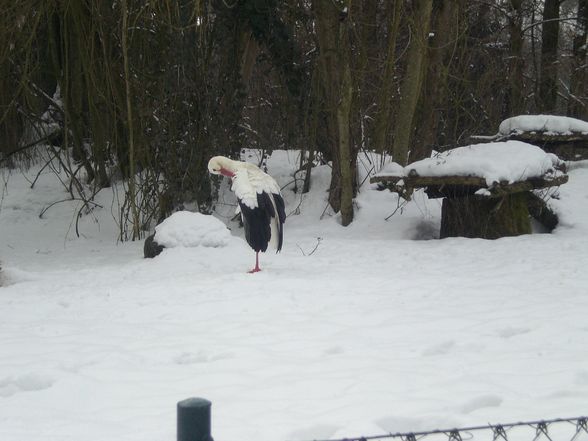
<point x="187" y="229"/>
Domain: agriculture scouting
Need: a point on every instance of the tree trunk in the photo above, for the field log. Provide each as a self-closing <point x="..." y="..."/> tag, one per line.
<point x="413" y="79"/>
<point x="384" y="99"/>
<point x="327" y="32"/>
<point x="446" y="16"/>
<point x="548" y="74"/>
<point x="249" y="49"/>
<point x="345" y="156"/>
<point x="332" y="28"/>
<point x="515" y="102"/>
<point x="490" y="218"/>
<point x="578" y="104"/>
<point x="129" y="109"/>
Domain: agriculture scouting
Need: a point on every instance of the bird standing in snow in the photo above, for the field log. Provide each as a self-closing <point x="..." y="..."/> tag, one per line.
<point x="261" y="204"/>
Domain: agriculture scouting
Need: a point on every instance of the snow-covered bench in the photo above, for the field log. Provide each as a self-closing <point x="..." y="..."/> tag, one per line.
<point x="487" y="188"/>
<point x="564" y="136"/>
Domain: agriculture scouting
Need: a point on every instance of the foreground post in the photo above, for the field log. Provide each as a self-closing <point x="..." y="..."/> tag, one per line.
<point x="194" y="420"/>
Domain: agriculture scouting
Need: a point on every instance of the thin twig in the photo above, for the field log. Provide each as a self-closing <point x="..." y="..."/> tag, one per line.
<point x="47" y="164"/>
<point x="399" y="206"/>
<point x="297" y="209"/>
<point x="67" y="200"/>
<point x="325" y="210"/>
<point x="318" y="242"/>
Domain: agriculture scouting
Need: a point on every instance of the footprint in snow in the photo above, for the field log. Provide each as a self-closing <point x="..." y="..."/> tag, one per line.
<point x="481" y="402"/>
<point x="582" y="377"/>
<point x="333" y="350"/>
<point x="399" y="424"/>
<point x="512" y="332"/>
<point x="440" y="349"/>
<point x="318" y="431"/>
<point x="222" y="356"/>
<point x="201" y="357"/>
<point x="24" y="383"/>
<point x="563" y="394"/>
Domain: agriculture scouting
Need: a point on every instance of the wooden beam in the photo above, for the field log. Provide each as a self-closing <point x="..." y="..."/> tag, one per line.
<point x="503" y="189"/>
<point x="531" y="137"/>
<point x="459" y="186"/>
<point x="378" y="179"/>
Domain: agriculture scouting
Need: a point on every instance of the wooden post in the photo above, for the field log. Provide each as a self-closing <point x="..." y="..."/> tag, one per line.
<point x="489" y="218"/>
<point x="503" y="210"/>
<point x="194" y="420"/>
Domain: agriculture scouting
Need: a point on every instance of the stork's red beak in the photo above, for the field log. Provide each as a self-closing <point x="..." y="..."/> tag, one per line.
<point x="226" y="172"/>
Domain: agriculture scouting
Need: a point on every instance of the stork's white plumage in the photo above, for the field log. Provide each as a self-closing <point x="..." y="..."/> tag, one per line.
<point x="260" y="202"/>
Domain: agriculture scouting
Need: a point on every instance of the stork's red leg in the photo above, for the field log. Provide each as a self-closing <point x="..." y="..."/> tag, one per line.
<point x="257" y="268"/>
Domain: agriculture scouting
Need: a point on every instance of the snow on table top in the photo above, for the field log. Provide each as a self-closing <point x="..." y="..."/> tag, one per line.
<point x="392" y="169"/>
<point x="187" y="229"/>
<point x="510" y="161"/>
<point x="549" y="124"/>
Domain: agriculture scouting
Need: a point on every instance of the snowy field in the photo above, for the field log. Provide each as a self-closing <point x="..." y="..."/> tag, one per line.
<point x="380" y="328"/>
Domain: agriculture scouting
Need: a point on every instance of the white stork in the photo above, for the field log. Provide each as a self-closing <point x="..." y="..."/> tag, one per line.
<point x="260" y="202"/>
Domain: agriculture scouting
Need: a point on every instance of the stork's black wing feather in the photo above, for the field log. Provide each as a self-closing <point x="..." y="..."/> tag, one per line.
<point x="281" y="209"/>
<point x="256" y="222"/>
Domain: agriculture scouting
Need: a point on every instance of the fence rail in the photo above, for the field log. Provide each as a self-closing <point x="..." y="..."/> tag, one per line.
<point x="530" y="431"/>
<point x="194" y="425"/>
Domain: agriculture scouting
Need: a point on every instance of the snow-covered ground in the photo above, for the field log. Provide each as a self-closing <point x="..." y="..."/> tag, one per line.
<point x="349" y="331"/>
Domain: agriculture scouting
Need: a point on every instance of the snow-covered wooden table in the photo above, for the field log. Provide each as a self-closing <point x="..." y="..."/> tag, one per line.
<point x="564" y="136"/>
<point x="487" y="188"/>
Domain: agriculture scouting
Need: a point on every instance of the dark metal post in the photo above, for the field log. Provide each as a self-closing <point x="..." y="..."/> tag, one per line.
<point x="194" y="420"/>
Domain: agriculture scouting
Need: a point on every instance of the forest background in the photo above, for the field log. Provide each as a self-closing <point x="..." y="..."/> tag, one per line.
<point x="143" y="93"/>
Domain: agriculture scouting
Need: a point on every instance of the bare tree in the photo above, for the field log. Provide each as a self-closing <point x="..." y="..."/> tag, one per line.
<point x="447" y="19"/>
<point x="410" y="90"/>
<point x="578" y="103"/>
<point x="384" y="99"/>
<point x="516" y="98"/>
<point x="547" y="97"/>
<point x="333" y="31"/>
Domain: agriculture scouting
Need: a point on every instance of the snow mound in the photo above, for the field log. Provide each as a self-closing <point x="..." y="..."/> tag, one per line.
<point x="187" y="229"/>
<point x="11" y="276"/>
<point x="548" y="124"/>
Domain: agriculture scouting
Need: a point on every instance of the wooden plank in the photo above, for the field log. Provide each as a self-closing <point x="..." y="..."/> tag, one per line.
<point x="459" y="186"/>
<point x="377" y="179"/>
<point x="549" y="137"/>
<point x="503" y="189"/>
<point x="417" y="181"/>
<point x="532" y="137"/>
